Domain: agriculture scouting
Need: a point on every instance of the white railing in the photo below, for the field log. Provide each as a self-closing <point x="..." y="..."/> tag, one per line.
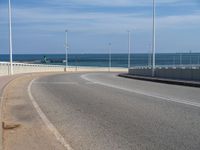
<point x="169" y="67"/>
<point x="28" y="68"/>
<point x="19" y="68"/>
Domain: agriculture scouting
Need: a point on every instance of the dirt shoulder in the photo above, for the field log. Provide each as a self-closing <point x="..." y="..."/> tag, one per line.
<point x="23" y="129"/>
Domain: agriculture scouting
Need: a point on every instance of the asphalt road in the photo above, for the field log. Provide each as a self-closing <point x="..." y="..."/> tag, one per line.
<point x="100" y="111"/>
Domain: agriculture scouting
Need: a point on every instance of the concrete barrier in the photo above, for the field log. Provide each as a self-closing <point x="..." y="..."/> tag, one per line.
<point x="19" y="68"/>
<point x="27" y="68"/>
<point x="181" y="73"/>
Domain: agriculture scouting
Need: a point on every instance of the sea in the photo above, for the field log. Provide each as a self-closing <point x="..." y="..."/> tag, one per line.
<point x="102" y="60"/>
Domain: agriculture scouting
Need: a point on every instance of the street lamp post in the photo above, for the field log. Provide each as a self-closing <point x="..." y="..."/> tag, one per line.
<point x="129" y="49"/>
<point x="181" y="57"/>
<point x="110" y="57"/>
<point x="66" y="49"/>
<point x="10" y="37"/>
<point x="150" y="56"/>
<point x="154" y="40"/>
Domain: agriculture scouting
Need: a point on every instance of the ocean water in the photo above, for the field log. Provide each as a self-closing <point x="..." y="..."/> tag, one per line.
<point x="102" y="60"/>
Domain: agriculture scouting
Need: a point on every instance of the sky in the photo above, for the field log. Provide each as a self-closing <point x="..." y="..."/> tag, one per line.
<point x="39" y="26"/>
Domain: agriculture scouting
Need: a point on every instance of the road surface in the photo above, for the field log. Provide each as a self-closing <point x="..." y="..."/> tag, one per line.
<point x="101" y="111"/>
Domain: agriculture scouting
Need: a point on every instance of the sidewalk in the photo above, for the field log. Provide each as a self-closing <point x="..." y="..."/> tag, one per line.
<point x="23" y="128"/>
<point x="4" y="80"/>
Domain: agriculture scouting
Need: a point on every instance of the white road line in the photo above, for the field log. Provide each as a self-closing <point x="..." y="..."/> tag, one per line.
<point x="88" y="83"/>
<point x="73" y="83"/>
<point x="186" y="102"/>
<point x="50" y="126"/>
<point x="64" y="83"/>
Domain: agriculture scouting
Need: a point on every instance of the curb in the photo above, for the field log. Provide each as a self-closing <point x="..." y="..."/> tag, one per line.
<point x="162" y="80"/>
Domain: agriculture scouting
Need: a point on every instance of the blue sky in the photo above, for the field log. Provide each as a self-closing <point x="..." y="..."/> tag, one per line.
<point x="39" y="25"/>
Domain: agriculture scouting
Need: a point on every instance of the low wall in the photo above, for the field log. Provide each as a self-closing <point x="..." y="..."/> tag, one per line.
<point x="29" y="68"/>
<point x="170" y="73"/>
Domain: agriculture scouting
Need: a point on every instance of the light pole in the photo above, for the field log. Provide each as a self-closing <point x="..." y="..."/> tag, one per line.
<point x="66" y="49"/>
<point x="129" y="49"/>
<point x="10" y="37"/>
<point x="154" y="40"/>
<point x="110" y="57"/>
<point x="180" y="59"/>
<point x="150" y="55"/>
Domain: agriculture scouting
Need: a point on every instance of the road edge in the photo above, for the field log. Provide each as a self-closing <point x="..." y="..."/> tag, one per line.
<point x="185" y="102"/>
<point x="162" y="80"/>
<point x="46" y="121"/>
<point x="2" y="100"/>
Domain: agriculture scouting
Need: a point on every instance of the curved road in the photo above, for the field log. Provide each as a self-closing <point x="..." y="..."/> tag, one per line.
<point x="101" y="111"/>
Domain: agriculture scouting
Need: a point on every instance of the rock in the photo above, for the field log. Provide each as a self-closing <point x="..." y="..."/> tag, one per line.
<point x="10" y="126"/>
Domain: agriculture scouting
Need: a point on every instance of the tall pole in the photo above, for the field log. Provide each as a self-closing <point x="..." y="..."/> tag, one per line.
<point x="174" y="61"/>
<point x="66" y="49"/>
<point x="10" y="37"/>
<point x="110" y="57"/>
<point x="180" y="59"/>
<point x="129" y="49"/>
<point x="154" y="40"/>
<point x="150" y="55"/>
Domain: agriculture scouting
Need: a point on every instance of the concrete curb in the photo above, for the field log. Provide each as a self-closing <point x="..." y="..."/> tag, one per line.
<point x="162" y="80"/>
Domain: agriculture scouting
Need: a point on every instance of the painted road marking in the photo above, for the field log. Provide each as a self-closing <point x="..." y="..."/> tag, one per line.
<point x="46" y="121"/>
<point x="186" y="102"/>
<point x="72" y="83"/>
<point x="88" y="83"/>
<point x="64" y="83"/>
